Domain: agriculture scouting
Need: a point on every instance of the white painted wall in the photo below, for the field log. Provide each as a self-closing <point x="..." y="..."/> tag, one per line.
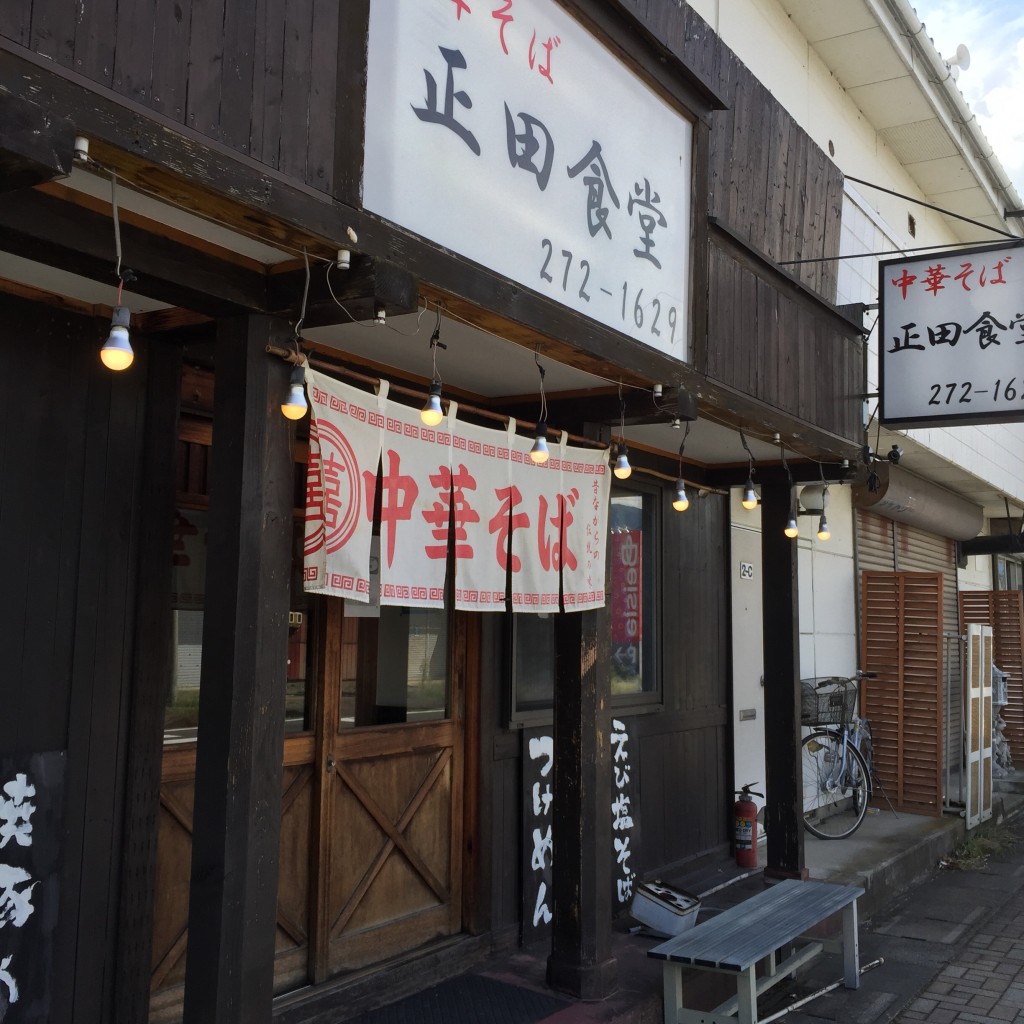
<point x="768" y="42"/>
<point x="828" y="641"/>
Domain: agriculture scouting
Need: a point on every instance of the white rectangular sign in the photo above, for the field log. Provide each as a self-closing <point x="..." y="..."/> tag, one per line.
<point x="950" y="338"/>
<point x="507" y="133"/>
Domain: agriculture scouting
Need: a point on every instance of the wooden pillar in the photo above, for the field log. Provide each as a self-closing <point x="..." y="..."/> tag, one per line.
<point x="237" y="814"/>
<point x="581" y="962"/>
<point x="151" y="680"/>
<point x="781" y="626"/>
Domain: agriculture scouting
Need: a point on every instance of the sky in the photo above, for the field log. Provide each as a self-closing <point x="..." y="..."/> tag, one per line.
<point x="993" y="85"/>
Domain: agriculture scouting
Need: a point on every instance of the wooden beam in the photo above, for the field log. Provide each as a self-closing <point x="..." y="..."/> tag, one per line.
<point x="581" y="960"/>
<point x="35" y="144"/>
<point x="43" y="228"/>
<point x="236" y="825"/>
<point x="151" y="680"/>
<point x="369" y="284"/>
<point x="781" y="633"/>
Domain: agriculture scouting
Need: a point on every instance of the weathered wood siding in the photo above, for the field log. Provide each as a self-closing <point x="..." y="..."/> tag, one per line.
<point x="685" y="753"/>
<point x="259" y="76"/>
<point x="71" y="437"/>
<point x="681" y="756"/>
<point x="773" y="196"/>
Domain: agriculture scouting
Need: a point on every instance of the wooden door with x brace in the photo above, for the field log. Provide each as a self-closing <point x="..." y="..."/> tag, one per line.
<point x="390" y="871"/>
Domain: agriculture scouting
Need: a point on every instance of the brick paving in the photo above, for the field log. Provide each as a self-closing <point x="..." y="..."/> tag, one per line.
<point x="953" y="951"/>
<point x="985" y="982"/>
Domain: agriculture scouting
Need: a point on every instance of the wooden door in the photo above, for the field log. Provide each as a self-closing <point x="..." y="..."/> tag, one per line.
<point x="391" y="806"/>
<point x="1003" y="610"/>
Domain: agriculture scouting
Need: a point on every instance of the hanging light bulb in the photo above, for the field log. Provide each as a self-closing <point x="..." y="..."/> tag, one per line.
<point x="539" y="452"/>
<point x="295" y="405"/>
<point x="117" y="351"/>
<point x="791" y="529"/>
<point x="622" y="468"/>
<point x="432" y="413"/>
<point x="680" y="502"/>
<point x="823" y="531"/>
<point x="749" y="499"/>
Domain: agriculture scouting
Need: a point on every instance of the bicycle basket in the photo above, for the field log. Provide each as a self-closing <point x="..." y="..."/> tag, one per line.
<point x="828" y="700"/>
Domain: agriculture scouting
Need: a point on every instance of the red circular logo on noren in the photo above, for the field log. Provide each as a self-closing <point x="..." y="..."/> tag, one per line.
<point x="341" y="488"/>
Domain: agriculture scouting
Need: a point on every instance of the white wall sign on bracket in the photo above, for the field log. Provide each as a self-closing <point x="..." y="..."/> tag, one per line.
<point x="513" y="137"/>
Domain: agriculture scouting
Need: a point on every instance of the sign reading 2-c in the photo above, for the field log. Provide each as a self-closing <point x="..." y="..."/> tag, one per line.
<point x="746" y="570"/>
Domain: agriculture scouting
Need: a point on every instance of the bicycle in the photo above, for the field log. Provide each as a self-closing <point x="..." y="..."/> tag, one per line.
<point x="835" y="758"/>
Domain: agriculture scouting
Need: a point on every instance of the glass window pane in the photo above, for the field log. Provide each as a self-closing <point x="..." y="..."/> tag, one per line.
<point x="394" y="665"/>
<point x="533" y="662"/>
<point x="631" y="595"/>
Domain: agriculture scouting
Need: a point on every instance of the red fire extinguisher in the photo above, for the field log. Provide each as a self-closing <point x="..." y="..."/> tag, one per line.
<point x="745" y="813"/>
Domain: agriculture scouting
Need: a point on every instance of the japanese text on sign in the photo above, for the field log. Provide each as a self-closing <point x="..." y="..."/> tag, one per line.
<point x="522" y="120"/>
<point x="541" y="528"/>
<point x="538" y="764"/>
<point x="951" y="344"/>
<point x="622" y="813"/>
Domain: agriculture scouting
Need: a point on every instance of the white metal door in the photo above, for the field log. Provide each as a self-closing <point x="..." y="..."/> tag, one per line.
<point x="978" y="724"/>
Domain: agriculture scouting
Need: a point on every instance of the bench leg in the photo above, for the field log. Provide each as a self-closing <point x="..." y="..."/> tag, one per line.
<point x="746" y="995"/>
<point x="851" y="947"/>
<point x="672" y="981"/>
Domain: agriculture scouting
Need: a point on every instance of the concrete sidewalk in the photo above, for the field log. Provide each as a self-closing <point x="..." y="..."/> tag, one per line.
<point x="889" y="855"/>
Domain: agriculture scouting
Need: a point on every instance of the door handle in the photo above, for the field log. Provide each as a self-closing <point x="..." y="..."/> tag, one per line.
<point x="330" y="763"/>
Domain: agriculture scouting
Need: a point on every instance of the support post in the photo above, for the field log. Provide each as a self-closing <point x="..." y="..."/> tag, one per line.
<point x="237" y="813"/>
<point x="781" y="640"/>
<point x="581" y="962"/>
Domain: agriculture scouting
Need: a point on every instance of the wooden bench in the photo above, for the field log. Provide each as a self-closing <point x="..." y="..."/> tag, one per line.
<point x="740" y="938"/>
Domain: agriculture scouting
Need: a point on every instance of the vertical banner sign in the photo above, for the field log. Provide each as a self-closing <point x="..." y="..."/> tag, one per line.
<point x="535" y="508"/>
<point x="480" y="479"/>
<point x="344" y="451"/>
<point x="627" y="596"/>
<point x="538" y="762"/>
<point x="586" y="487"/>
<point x="416" y="501"/>
<point x="950" y="338"/>
<point x="31" y="827"/>
<point x="513" y="115"/>
<point x="624" y="827"/>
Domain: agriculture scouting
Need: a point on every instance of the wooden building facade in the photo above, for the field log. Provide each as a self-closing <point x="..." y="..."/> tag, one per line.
<point x="240" y="805"/>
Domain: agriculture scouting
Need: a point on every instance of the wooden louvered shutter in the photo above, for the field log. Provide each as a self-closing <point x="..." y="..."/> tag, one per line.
<point x="1003" y="610"/>
<point x="978" y="719"/>
<point x="901" y="644"/>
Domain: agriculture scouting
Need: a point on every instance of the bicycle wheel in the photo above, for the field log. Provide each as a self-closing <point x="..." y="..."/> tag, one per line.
<point x="835" y="792"/>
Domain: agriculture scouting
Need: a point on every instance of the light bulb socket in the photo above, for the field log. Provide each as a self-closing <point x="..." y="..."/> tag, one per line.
<point x="539" y="452"/>
<point x="681" y="501"/>
<point x="294" y="406"/>
<point x="380" y="316"/>
<point x="749" y="499"/>
<point x="823" y="531"/>
<point x="117" y="353"/>
<point x="344" y="260"/>
<point x="431" y="414"/>
<point x="622" y="468"/>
